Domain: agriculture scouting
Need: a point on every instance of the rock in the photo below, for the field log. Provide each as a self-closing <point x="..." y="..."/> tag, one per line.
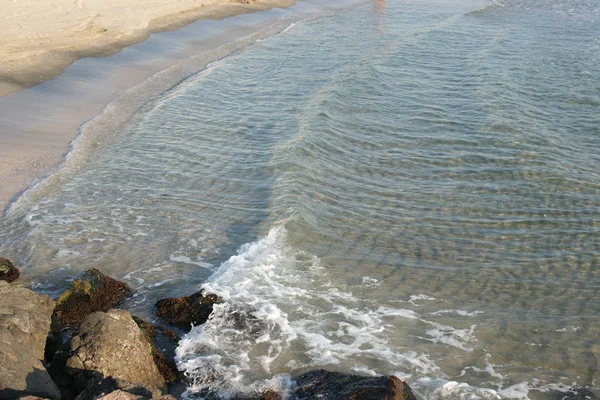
<point x="122" y="395"/>
<point x="573" y="394"/>
<point x="110" y="344"/>
<point x="90" y="293"/>
<point x="100" y="387"/>
<point x="8" y="272"/>
<point x="25" y="319"/>
<point x="183" y="312"/>
<point x="270" y="395"/>
<point x="161" y="338"/>
<point x="322" y="384"/>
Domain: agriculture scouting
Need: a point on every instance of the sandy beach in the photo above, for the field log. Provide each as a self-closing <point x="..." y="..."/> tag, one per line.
<point x="41" y="38"/>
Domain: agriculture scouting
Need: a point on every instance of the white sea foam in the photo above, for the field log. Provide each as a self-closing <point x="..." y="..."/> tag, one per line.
<point x="187" y="260"/>
<point x="462" y="313"/>
<point x="458" y="338"/>
<point x="370" y="282"/>
<point x="489" y="368"/>
<point x="518" y="391"/>
<point x="62" y="253"/>
<point x="462" y="391"/>
<point x="284" y="313"/>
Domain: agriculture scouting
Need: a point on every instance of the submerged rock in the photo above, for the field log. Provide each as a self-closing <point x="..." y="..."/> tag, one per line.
<point x="322" y="384"/>
<point x="269" y="394"/>
<point x="8" y="272"/>
<point x="183" y="312"/>
<point x="110" y="344"/>
<point x="573" y="394"/>
<point x="25" y="319"/>
<point x="161" y="338"/>
<point x="92" y="292"/>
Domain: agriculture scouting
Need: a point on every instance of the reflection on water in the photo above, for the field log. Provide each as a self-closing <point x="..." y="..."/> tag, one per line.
<point x="379" y="15"/>
<point x="422" y="200"/>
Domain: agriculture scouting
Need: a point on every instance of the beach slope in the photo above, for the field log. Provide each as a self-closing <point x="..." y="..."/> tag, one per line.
<point x="41" y="38"/>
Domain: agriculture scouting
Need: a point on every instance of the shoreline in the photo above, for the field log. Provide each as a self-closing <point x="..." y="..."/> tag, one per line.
<point x="41" y="126"/>
<point x="67" y="34"/>
<point x="83" y="345"/>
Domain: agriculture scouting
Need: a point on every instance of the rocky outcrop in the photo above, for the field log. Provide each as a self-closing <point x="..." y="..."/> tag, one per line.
<point x="322" y="384"/>
<point x="110" y="344"/>
<point x="25" y="319"/>
<point x="183" y="312"/>
<point x="90" y="293"/>
<point x="161" y="338"/>
<point x="8" y="272"/>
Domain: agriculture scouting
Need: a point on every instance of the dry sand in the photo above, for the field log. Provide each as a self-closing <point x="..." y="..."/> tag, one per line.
<point x="42" y="37"/>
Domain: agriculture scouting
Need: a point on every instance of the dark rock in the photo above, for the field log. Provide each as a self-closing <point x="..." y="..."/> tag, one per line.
<point x="24" y="325"/>
<point x="161" y="338"/>
<point x="8" y="272"/>
<point x="573" y="394"/>
<point x="183" y="312"/>
<point x="270" y="395"/>
<point x="322" y="384"/>
<point x="90" y="293"/>
<point x="112" y="345"/>
<point x="208" y="394"/>
<point x="123" y="395"/>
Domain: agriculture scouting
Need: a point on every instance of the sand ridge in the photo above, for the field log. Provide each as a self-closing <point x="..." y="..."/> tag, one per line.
<point x="42" y="37"/>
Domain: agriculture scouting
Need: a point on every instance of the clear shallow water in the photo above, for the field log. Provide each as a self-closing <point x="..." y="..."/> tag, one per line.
<point x="403" y="187"/>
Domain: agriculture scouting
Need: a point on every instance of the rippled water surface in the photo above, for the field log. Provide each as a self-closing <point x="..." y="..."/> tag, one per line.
<point x="401" y="187"/>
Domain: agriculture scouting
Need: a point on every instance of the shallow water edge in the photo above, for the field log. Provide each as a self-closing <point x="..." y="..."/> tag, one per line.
<point x="38" y="125"/>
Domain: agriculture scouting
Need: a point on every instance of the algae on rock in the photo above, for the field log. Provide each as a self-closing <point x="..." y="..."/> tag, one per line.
<point x="92" y="292"/>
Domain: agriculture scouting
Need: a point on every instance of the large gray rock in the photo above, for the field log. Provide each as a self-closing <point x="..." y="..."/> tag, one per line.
<point x="322" y="384"/>
<point x="25" y="319"/>
<point x="110" y="344"/>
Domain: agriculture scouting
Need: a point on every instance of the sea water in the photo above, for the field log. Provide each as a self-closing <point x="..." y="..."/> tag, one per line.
<point x="405" y="187"/>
